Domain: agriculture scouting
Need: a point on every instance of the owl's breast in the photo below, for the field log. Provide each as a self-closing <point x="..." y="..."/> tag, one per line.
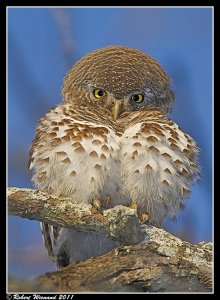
<point x="151" y="161"/>
<point x="79" y="159"/>
<point x="158" y="164"/>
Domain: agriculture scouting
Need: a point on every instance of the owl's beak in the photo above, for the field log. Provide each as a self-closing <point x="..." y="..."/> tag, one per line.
<point x="117" y="109"/>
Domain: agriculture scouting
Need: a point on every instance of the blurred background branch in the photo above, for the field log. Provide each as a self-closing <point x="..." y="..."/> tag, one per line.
<point x="64" y="26"/>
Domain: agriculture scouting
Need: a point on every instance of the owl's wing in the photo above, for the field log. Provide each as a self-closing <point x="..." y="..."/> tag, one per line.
<point x="51" y="235"/>
<point x="159" y="163"/>
<point x="66" y="246"/>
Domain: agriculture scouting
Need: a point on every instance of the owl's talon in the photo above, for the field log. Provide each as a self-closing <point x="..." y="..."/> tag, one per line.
<point x="144" y="217"/>
<point x="96" y="204"/>
<point x="106" y="201"/>
<point x="133" y="206"/>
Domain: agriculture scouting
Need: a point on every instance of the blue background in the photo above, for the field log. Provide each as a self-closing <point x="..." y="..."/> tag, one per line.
<point x="43" y="43"/>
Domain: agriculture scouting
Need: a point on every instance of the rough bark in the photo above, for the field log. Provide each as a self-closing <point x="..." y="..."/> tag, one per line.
<point x="120" y="223"/>
<point x="161" y="262"/>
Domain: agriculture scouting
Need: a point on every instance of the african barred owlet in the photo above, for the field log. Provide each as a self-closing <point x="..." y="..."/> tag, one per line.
<point x="111" y="140"/>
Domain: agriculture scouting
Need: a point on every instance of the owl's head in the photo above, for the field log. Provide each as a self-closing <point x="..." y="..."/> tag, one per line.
<point x="119" y="79"/>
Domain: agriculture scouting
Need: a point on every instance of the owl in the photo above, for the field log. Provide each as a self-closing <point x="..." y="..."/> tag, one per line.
<point x="110" y="142"/>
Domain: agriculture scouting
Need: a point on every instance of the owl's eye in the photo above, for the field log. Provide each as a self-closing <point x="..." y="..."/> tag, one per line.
<point x="99" y="93"/>
<point x="138" y="98"/>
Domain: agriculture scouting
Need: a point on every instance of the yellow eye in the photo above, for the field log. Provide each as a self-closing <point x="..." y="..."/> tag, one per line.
<point x="138" y="98"/>
<point x="99" y="93"/>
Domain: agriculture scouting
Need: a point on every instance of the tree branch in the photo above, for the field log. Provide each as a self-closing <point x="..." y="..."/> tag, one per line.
<point x="160" y="263"/>
<point x="121" y="223"/>
<point x="164" y="264"/>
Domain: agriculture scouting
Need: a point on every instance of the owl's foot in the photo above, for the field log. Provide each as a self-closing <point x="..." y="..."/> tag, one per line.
<point x="99" y="205"/>
<point x="143" y="217"/>
<point x="96" y="205"/>
<point x="106" y="201"/>
<point x="133" y="206"/>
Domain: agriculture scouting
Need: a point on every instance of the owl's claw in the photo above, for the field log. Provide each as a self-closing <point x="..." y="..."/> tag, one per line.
<point x="106" y="201"/>
<point x="133" y="206"/>
<point x="96" y="204"/>
<point x="144" y="217"/>
<point x="100" y="205"/>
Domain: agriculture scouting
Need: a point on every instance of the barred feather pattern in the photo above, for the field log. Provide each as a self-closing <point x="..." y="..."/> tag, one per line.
<point x="144" y="158"/>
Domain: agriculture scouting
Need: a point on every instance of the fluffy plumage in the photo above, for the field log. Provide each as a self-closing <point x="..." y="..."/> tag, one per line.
<point x="89" y="148"/>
